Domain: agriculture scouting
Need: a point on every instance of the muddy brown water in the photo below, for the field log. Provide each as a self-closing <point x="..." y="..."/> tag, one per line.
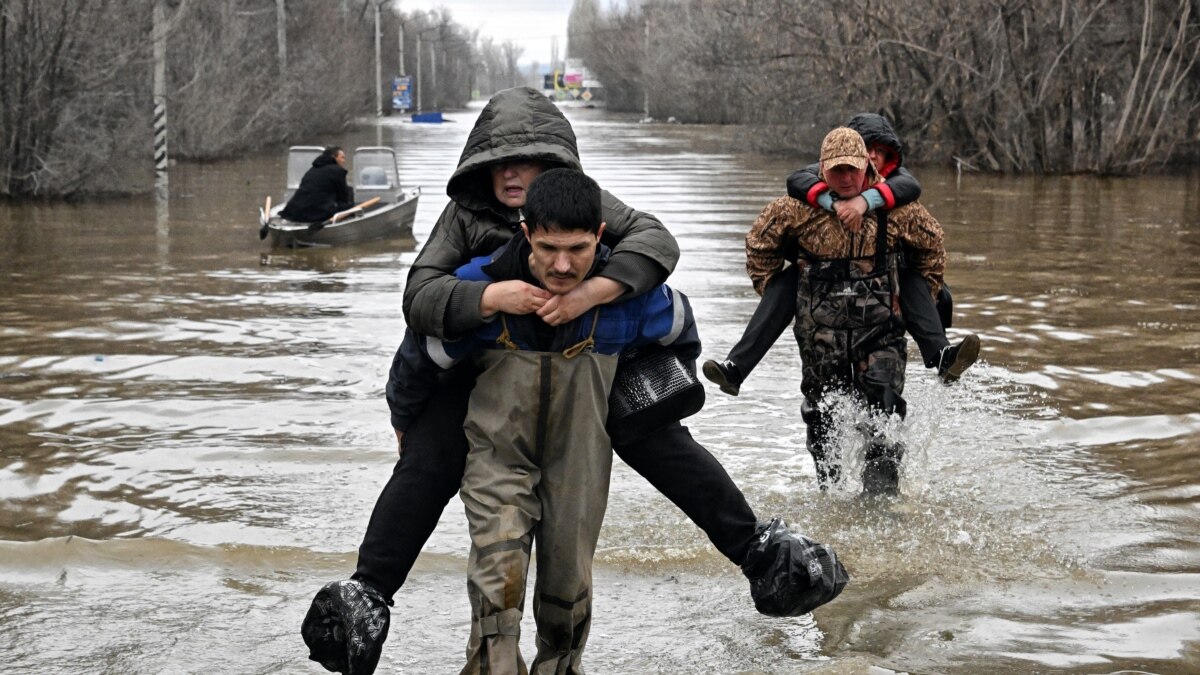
<point x="193" y="432"/>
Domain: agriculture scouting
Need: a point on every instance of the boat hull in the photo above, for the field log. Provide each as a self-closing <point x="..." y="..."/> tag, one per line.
<point x="383" y="222"/>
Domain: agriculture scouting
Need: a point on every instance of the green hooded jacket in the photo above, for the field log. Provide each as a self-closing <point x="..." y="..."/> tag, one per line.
<point x="518" y="123"/>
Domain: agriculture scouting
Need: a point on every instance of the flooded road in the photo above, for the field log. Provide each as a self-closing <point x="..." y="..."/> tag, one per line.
<point x="193" y="433"/>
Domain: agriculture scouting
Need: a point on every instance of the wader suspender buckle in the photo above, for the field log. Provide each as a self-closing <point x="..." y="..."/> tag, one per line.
<point x="576" y="350"/>
<point x="504" y="339"/>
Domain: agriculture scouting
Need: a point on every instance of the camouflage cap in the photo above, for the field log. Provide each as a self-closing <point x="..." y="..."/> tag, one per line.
<point x="843" y="146"/>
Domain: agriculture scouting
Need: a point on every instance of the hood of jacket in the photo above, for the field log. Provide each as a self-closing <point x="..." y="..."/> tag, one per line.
<point x="876" y="130"/>
<point x="518" y="123"/>
<point x="323" y="160"/>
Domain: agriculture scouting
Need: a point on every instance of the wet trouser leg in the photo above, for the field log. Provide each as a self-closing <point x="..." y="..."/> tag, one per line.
<point x="502" y="511"/>
<point x="921" y="316"/>
<point x="774" y="313"/>
<point x="424" y="480"/>
<point x="539" y="458"/>
<point x="819" y="430"/>
<point x="881" y="383"/>
<point x="688" y="475"/>
<point x="574" y="495"/>
<point x="568" y="527"/>
<point x="824" y="367"/>
<point x="868" y="362"/>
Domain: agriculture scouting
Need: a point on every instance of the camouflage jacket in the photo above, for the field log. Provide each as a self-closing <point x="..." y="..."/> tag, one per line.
<point x="787" y="223"/>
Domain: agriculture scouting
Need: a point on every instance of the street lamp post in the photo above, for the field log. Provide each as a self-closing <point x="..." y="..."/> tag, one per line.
<point x="433" y="73"/>
<point x="420" y="46"/>
<point x="378" y="66"/>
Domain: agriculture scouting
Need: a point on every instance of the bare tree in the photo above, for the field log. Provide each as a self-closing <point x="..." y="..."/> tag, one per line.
<point x="582" y="23"/>
<point x="498" y="63"/>
<point x="512" y="52"/>
<point x="70" y="117"/>
<point x="1005" y="85"/>
<point x="75" y="76"/>
<point x="448" y="75"/>
<point x="228" y="93"/>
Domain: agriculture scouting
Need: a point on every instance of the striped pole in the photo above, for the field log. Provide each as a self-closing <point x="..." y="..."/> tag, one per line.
<point x="160" y="98"/>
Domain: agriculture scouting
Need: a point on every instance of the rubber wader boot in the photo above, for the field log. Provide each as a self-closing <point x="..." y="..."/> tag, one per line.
<point x="881" y="473"/>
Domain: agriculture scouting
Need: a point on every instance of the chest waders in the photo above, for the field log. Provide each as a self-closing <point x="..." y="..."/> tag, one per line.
<point x="538" y="468"/>
<point x="851" y="338"/>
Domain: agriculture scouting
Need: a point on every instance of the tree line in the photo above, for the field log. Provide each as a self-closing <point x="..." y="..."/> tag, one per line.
<point x="1105" y="86"/>
<point x="76" y="80"/>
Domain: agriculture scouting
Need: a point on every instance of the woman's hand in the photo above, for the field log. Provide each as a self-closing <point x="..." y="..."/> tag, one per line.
<point x="512" y="297"/>
<point x="561" y="309"/>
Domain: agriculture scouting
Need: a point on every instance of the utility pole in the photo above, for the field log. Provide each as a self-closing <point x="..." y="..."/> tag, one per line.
<point x="160" y="98"/>
<point x="433" y="66"/>
<point x="281" y="34"/>
<point x="401" y="40"/>
<point x="420" y="89"/>
<point x="646" y="69"/>
<point x="281" y="45"/>
<point x="378" y="66"/>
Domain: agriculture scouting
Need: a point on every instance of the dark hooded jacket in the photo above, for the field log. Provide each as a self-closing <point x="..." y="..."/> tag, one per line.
<point x="518" y="123"/>
<point x="899" y="187"/>
<point x="323" y="192"/>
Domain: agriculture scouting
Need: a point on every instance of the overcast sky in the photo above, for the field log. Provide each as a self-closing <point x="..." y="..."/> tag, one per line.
<point x="529" y="23"/>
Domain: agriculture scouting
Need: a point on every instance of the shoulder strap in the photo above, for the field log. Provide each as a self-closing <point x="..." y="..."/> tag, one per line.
<point x="881" y="238"/>
<point x="588" y="342"/>
<point x="505" y="339"/>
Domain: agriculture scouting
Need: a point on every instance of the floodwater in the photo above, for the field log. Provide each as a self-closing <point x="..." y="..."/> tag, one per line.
<point x="192" y="434"/>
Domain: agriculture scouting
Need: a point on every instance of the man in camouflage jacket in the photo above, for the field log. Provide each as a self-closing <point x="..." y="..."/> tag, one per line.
<point x="848" y="321"/>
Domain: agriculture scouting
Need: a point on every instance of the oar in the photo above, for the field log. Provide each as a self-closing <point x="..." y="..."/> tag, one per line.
<point x="264" y="217"/>
<point x="353" y="210"/>
<point x="342" y="215"/>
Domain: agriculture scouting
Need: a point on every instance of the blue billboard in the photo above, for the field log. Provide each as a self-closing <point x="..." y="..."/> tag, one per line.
<point x="402" y="93"/>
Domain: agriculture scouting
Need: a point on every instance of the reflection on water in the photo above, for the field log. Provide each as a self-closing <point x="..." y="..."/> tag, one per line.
<point x="192" y="433"/>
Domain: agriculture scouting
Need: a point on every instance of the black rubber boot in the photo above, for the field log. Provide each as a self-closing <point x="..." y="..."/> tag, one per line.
<point x="828" y="465"/>
<point x="881" y="473"/>
<point x="829" y="470"/>
<point x="789" y="573"/>
<point x="345" y="627"/>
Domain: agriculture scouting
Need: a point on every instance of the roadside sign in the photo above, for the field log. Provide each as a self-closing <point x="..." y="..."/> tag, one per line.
<point x="402" y="92"/>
